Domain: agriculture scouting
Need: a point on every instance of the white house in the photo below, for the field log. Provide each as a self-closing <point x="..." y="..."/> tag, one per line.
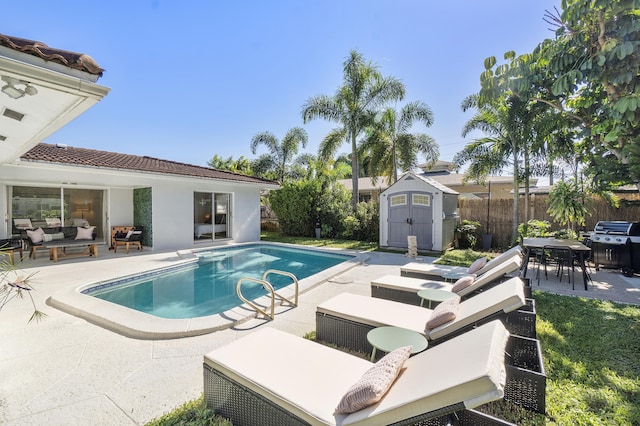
<point x="420" y="206"/>
<point x="179" y="205"/>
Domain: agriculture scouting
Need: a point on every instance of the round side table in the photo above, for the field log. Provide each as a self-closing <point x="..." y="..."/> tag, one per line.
<point x="389" y="338"/>
<point x="435" y="295"/>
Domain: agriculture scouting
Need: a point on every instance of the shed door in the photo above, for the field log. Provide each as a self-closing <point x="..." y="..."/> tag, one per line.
<point x="411" y="213"/>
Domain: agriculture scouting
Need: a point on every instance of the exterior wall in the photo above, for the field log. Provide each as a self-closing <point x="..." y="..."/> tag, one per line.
<point x="404" y="185"/>
<point x="172" y="200"/>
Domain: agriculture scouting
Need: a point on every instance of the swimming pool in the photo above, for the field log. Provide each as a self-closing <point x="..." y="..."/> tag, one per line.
<point x="209" y="287"/>
<point x="75" y="300"/>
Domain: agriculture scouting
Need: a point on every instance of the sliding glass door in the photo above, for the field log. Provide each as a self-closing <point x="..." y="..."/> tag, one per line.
<point x="211" y="214"/>
<point x="57" y="207"/>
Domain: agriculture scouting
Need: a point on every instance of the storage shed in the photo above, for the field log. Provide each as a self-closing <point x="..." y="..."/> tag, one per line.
<point x="418" y="205"/>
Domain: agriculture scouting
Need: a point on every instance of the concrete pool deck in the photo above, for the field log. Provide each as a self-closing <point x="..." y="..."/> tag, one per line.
<point x="65" y="370"/>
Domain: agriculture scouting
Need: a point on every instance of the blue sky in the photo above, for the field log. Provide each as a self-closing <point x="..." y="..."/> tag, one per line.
<point x="190" y="79"/>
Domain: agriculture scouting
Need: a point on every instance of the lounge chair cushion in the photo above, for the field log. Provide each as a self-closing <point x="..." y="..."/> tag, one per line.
<point x="443" y="313"/>
<point x="477" y="265"/>
<point x="36" y="236"/>
<point x="463" y="283"/>
<point x="85" y="233"/>
<point x="373" y="384"/>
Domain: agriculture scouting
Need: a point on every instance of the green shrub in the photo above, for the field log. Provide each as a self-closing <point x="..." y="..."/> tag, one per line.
<point x="467" y="233"/>
<point x="533" y="229"/>
<point x="364" y="223"/>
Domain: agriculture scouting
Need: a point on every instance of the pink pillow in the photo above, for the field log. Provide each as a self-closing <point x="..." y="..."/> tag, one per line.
<point x="443" y="313"/>
<point x="85" y="233"/>
<point x="463" y="283"/>
<point x="375" y="382"/>
<point x="477" y="265"/>
<point x="36" y="236"/>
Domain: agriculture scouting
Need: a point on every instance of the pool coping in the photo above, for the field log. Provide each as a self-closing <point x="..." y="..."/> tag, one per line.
<point x="140" y="325"/>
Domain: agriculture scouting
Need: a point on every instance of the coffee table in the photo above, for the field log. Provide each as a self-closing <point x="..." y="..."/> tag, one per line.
<point x="435" y="295"/>
<point x="389" y="338"/>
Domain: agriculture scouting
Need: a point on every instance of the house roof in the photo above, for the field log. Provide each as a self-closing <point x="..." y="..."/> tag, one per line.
<point x="73" y="60"/>
<point x="66" y="155"/>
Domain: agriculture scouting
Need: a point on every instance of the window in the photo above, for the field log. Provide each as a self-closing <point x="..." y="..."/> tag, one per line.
<point x="399" y="200"/>
<point x="421" y="200"/>
<point x="63" y="206"/>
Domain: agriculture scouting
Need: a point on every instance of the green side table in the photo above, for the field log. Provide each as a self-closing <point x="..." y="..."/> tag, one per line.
<point x="454" y="276"/>
<point x="435" y="295"/>
<point x="389" y="338"/>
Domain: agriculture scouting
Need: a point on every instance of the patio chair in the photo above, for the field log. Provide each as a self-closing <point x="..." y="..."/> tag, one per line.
<point x="9" y="246"/>
<point x="133" y="237"/>
<point x="437" y="272"/>
<point x="405" y="289"/>
<point x="300" y="382"/>
<point x="561" y="258"/>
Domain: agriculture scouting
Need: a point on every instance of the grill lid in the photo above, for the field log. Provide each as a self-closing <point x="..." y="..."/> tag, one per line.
<point x="617" y="227"/>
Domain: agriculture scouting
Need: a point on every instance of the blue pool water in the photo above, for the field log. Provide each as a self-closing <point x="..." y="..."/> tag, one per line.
<point x="209" y="287"/>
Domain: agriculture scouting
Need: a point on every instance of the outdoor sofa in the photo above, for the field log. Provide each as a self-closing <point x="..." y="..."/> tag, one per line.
<point x="270" y="377"/>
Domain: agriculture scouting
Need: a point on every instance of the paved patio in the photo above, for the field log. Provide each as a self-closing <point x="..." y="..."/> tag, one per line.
<point x="67" y="371"/>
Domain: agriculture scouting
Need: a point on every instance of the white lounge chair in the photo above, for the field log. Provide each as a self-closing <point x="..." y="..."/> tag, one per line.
<point x="270" y="377"/>
<point x="346" y="319"/>
<point x="436" y="272"/>
<point x="405" y="289"/>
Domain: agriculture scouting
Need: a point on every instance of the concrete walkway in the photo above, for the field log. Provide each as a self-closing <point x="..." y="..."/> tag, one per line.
<point x="67" y="371"/>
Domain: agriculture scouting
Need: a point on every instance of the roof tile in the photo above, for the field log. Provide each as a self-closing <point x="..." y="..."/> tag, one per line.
<point x="78" y="61"/>
<point x="62" y="154"/>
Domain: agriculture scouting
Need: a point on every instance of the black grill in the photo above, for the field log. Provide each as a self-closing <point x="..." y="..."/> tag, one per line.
<point x="616" y="244"/>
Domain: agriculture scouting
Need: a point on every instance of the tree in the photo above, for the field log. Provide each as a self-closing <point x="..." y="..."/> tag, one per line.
<point x="241" y="165"/>
<point x="364" y="90"/>
<point x="280" y="154"/>
<point x="506" y="123"/>
<point x="567" y="204"/>
<point x="391" y="144"/>
<point x="589" y="73"/>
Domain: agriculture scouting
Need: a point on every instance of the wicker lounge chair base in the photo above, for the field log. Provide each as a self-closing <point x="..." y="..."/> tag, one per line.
<point x="299" y="382"/>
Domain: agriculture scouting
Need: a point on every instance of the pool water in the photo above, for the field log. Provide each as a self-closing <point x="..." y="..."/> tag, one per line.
<point x="209" y="287"/>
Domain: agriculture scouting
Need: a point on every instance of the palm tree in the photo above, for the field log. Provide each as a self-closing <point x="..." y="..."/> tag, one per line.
<point x="392" y="146"/>
<point x="280" y="154"/>
<point x="353" y="107"/>
<point x="507" y="126"/>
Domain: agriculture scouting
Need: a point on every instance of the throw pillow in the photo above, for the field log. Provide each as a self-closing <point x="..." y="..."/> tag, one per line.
<point x="374" y="383"/>
<point x="22" y="223"/>
<point x="53" y="222"/>
<point x="129" y="234"/>
<point x="477" y="265"/>
<point x="85" y="233"/>
<point x="463" y="283"/>
<point x="443" y="313"/>
<point x="47" y="237"/>
<point x="36" y="236"/>
<point x="58" y="235"/>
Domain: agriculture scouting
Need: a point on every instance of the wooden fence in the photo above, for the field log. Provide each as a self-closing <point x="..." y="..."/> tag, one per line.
<point x="499" y="214"/>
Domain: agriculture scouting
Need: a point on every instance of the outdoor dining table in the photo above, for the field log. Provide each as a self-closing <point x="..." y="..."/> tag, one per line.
<point x="541" y="243"/>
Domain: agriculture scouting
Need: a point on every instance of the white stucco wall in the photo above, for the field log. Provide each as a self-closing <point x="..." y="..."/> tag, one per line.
<point x="172" y="198"/>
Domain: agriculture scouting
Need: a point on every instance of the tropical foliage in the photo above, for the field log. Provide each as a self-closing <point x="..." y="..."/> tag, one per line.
<point x="353" y="107"/>
<point x="14" y="285"/>
<point x="276" y="164"/>
<point x="391" y="144"/>
<point x="567" y="204"/>
<point x="589" y="74"/>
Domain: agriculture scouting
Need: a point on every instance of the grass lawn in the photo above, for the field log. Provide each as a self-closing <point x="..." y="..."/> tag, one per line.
<point x="591" y="352"/>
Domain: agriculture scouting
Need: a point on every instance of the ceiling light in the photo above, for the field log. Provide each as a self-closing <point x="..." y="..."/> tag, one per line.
<point x="14" y="92"/>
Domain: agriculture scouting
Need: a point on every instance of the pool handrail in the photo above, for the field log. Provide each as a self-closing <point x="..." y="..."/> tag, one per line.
<point x="267" y="286"/>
